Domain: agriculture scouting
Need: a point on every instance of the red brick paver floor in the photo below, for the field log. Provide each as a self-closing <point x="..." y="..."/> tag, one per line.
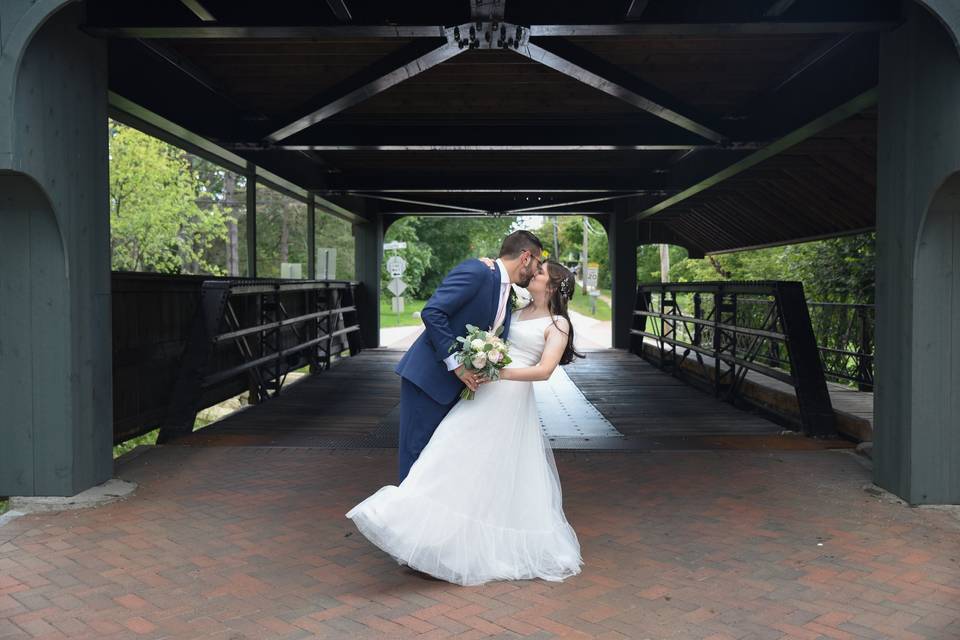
<point x="245" y="542"/>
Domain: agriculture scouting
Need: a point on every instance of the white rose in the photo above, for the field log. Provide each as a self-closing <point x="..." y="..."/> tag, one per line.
<point x="479" y="361"/>
<point x="494" y="356"/>
<point x="476" y="344"/>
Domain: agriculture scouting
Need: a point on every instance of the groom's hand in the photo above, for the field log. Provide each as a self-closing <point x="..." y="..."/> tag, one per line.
<point x="467" y="377"/>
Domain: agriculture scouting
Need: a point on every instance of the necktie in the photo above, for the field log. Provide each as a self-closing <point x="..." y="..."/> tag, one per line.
<point x="501" y="310"/>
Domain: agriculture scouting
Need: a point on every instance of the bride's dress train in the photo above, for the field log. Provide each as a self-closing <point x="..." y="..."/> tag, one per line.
<point x="483" y="501"/>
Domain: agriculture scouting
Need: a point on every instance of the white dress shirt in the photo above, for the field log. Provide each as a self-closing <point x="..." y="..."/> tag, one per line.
<point x="451" y="361"/>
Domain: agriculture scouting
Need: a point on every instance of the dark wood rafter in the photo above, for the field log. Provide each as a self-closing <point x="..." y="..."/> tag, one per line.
<point x="487" y="10"/>
<point x="716" y="224"/>
<point x="405" y="32"/>
<point x="573" y="204"/>
<point x="830" y="118"/>
<point x="778" y="8"/>
<point x="420" y="203"/>
<point x="789" y="241"/>
<point x="199" y="10"/>
<point x="636" y="8"/>
<point x="340" y="10"/>
<point x="183" y="64"/>
<point x="451" y="148"/>
<point x="596" y="72"/>
<point x="650" y="134"/>
<point x="405" y="64"/>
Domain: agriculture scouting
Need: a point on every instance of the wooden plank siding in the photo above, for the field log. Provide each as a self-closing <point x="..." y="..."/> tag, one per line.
<point x="152" y="318"/>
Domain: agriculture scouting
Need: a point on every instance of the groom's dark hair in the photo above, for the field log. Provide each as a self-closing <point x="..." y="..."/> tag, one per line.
<point x="518" y="242"/>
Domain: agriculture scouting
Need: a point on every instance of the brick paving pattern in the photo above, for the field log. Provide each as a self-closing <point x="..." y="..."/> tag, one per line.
<point x="250" y="542"/>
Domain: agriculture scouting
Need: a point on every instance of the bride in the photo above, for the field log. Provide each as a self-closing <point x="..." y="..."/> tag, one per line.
<point x="483" y="500"/>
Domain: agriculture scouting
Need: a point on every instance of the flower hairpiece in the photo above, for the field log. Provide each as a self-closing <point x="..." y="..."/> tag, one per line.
<point x="566" y="289"/>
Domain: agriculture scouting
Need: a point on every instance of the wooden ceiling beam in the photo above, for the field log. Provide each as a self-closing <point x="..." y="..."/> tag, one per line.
<point x="407" y="63"/>
<point x="199" y="10"/>
<point x="636" y="9"/>
<point x="488" y="10"/>
<point x="644" y="134"/>
<point x="596" y="72"/>
<point x="789" y="241"/>
<point x="406" y="32"/>
<point x="340" y="10"/>
<point x="821" y="123"/>
<point x="778" y="8"/>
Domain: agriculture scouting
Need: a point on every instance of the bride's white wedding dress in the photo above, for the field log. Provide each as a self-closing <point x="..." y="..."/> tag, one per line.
<point x="483" y="500"/>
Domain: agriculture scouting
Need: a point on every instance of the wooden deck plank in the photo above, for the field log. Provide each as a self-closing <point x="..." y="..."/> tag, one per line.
<point x="355" y="404"/>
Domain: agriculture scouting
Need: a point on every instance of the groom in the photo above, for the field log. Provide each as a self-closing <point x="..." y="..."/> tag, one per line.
<point x="473" y="294"/>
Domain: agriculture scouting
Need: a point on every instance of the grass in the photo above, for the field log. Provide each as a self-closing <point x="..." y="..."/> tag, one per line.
<point x="3" y="505"/>
<point x="581" y="304"/>
<point x="406" y="319"/>
<point x="130" y="445"/>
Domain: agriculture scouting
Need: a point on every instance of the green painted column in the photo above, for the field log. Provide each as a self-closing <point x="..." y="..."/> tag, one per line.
<point x="622" y="240"/>
<point x="251" y="220"/>
<point x="56" y="428"/>
<point x="368" y="253"/>
<point x="311" y="236"/>
<point x="917" y="392"/>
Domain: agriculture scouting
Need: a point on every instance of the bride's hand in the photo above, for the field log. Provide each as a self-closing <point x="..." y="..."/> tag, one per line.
<point x="487" y="261"/>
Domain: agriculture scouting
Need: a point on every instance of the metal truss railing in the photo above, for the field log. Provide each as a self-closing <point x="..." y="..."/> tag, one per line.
<point x="260" y="330"/>
<point x="722" y="328"/>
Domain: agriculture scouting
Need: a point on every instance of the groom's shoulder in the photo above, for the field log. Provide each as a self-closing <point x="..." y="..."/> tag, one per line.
<point x="471" y="265"/>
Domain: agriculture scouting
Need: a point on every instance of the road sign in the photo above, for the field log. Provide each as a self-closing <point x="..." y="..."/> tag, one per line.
<point x="326" y="263"/>
<point x="397" y="306"/>
<point x="397" y="286"/>
<point x="393" y="246"/>
<point x="291" y="270"/>
<point x="396" y="266"/>
<point x="593" y="273"/>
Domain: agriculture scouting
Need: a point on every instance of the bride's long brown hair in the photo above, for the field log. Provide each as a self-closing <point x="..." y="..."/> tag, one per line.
<point x="561" y="286"/>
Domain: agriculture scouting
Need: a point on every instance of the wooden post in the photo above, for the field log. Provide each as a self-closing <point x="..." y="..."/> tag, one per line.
<point x="311" y="236"/>
<point x="584" y="253"/>
<point x="368" y="250"/>
<point x="251" y="220"/>
<point x="622" y="239"/>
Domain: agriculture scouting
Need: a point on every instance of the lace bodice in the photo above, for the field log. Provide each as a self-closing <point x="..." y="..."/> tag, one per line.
<point x="526" y="340"/>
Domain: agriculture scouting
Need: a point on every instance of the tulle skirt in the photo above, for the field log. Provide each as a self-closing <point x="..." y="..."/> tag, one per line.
<point x="482" y="502"/>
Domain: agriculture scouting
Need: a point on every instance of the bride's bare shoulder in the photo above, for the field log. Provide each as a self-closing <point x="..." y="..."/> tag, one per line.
<point x="559" y="324"/>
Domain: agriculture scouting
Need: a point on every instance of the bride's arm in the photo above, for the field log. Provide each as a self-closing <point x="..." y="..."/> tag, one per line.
<point x="552" y="352"/>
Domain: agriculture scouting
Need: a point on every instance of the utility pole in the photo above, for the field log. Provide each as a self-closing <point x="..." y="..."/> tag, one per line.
<point x="584" y="253"/>
<point x="664" y="263"/>
<point x="556" y="239"/>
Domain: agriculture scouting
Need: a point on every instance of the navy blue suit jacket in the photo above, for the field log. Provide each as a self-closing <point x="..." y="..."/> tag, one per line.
<point x="469" y="294"/>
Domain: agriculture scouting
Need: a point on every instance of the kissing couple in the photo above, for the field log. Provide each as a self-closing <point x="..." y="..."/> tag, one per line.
<point x="478" y="496"/>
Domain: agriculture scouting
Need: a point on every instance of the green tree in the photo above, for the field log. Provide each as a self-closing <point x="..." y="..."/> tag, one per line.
<point x="156" y="223"/>
<point x="336" y="233"/>
<point x="281" y="232"/>
<point x="833" y="270"/>
<point x="452" y="240"/>
<point x="598" y="249"/>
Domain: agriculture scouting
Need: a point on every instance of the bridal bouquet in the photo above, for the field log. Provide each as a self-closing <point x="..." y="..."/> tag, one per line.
<point x="484" y="352"/>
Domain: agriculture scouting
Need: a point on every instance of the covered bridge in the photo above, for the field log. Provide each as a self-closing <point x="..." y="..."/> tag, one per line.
<point x="715" y="126"/>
